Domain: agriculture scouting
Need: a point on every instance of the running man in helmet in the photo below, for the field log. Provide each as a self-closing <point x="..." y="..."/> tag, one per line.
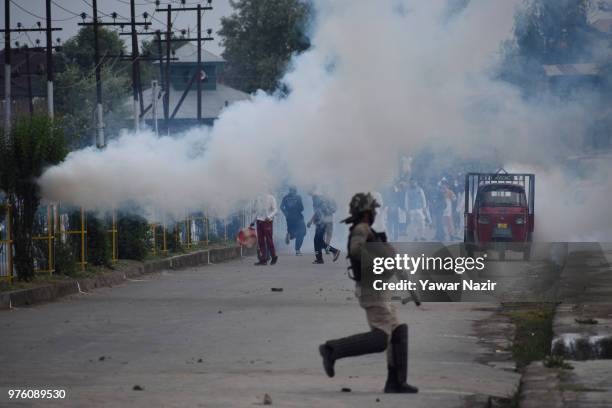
<point x="386" y="332"/>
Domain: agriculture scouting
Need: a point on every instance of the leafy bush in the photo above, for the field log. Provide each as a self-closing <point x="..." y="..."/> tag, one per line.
<point x="3" y="208"/>
<point x="159" y="240"/>
<point x="173" y="241"/>
<point x="73" y="241"/>
<point x="133" y="238"/>
<point x="98" y="242"/>
<point x="33" y="144"/>
<point x="65" y="263"/>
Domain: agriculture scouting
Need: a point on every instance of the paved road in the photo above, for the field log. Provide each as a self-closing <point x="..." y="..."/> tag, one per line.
<point x="217" y="336"/>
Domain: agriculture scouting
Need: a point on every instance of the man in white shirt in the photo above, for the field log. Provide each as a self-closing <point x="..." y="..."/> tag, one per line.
<point x="416" y="205"/>
<point x="265" y="210"/>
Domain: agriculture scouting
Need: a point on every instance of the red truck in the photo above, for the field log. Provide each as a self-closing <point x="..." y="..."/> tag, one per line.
<point x="499" y="212"/>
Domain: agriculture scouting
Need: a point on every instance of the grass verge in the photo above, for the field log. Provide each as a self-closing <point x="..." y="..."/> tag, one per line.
<point x="533" y="333"/>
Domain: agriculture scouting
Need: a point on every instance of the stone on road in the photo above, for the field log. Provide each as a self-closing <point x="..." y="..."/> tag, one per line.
<point x="167" y="335"/>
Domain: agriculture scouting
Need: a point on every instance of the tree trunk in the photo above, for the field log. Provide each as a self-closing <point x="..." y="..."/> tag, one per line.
<point x="24" y="205"/>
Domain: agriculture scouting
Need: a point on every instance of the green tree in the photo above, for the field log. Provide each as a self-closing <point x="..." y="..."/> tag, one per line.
<point x="33" y="144"/>
<point x="75" y="99"/>
<point x="75" y="96"/>
<point x="547" y="32"/>
<point x="553" y="31"/>
<point x="259" y="39"/>
<point x="79" y="50"/>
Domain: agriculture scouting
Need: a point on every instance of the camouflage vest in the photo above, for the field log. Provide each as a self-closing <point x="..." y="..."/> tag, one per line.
<point x="356" y="263"/>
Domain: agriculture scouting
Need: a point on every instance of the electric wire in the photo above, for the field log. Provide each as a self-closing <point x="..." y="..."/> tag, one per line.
<point x="35" y="15"/>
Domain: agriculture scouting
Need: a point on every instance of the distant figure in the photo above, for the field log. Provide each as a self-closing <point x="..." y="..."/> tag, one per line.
<point x="321" y="207"/>
<point x="435" y="196"/>
<point x="460" y="208"/>
<point x="329" y="208"/>
<point x="293" y="207"/>
<point x="447" y="213"/>
<point x="416" y="207"/>
<point x="395" y="200"/>
<point x="265" y="210"/>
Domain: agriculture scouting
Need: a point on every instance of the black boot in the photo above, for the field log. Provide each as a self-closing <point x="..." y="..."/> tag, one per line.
<point x="397" y="373"/>
<point x="374" y="341"/>
<point x="392" y="386"/>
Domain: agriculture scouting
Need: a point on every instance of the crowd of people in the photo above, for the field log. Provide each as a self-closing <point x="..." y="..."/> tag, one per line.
<point x="292" y="207"/>
<point x="410" y="211"/>
<point x="417" y="211"/>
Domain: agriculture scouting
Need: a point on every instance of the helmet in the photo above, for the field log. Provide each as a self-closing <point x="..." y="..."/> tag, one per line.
<point x="360" y="203"/>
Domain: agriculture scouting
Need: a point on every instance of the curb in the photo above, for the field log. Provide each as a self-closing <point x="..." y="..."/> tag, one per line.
<point x="47" y="293"/>
<point x="582" y="325"/>
<point x="540" y="387"/>
<point x="587" y="385"/>
<point x="583" y="331"/>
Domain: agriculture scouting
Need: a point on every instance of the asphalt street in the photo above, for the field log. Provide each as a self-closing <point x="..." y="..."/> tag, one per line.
<point x="219" y="336"/>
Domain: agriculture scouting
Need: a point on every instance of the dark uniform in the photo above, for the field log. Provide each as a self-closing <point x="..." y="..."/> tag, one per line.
<point x="292" y="207"/>
<point x="386" y="332"/>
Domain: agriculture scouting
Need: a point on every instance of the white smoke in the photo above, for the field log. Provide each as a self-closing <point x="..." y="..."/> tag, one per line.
<point x="569" y="207"/>
<point x="382" y="78"/>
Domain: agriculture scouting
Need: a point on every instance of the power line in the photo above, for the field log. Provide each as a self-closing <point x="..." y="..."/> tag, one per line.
<point x="138" y="4"/>
<point x="29" y="39"/>
<point x="103" y="13"/>
<point x="65" y="9"/>
<point x="26" y="11"/>
<point x="7" y="54"/>
<point x="35" y="15"/>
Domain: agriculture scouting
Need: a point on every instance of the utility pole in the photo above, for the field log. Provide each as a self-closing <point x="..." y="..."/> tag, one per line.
<point x="167" y="81"/>
<point x="154" y="105"/>
<point x="198" y="9"/>
<point x="29" y="75"/>
<point x="100" y="142"/>
<point x="49" y="60"/>
<point x="161" y="70"/>
<point x="199" y="78"/>
<point x="145" y="57"/>
<point x="134" y="65"/>
<point x="7" y="30"/>
<point x="7" y="68"/>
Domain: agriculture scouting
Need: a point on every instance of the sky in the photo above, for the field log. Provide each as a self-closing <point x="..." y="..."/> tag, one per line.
<point x="65" y="14"/>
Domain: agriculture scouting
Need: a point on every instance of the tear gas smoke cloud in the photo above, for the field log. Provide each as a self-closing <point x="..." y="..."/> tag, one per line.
<point x="381" y="79"/>
<point x="569" y="208"/>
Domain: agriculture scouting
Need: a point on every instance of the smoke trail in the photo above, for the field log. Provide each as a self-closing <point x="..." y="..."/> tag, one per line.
<point x="381" y="79"/>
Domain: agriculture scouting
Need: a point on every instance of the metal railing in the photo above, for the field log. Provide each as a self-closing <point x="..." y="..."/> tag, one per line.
<point x="60" y="224"/>
<point x="67" y="231"/>
<point x="6" y="248"/>
<point x="113" y="233"/>
<point x="43" y="242"/>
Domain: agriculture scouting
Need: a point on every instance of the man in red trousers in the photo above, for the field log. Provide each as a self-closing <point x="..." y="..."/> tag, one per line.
<point x="265" y="210"/>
